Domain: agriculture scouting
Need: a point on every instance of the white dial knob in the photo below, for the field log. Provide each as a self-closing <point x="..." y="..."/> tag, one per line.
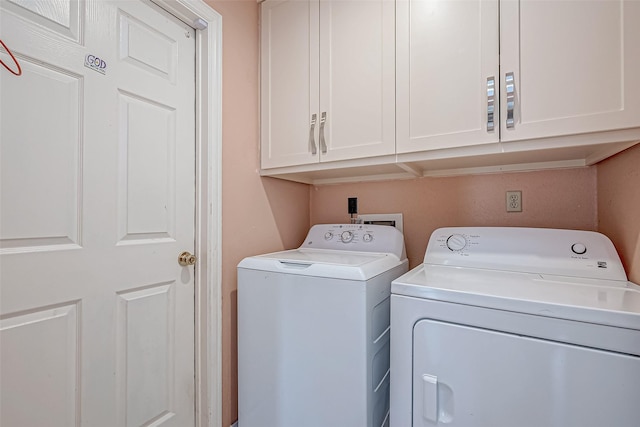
<point x="328" y="235"/>
<point x="367" y="237"/>
<point x="346" y="236"/>
<point x="578" y="248"/>
<point x="456" y="242"/>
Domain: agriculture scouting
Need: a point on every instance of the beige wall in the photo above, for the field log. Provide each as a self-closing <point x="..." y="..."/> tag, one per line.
<point x="258" y="214"/>
<point x="553" y="199"/>
<point x="619" y="206"/>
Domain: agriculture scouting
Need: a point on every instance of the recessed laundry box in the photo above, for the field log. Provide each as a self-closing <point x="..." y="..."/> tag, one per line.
<point x="313" y="329"/>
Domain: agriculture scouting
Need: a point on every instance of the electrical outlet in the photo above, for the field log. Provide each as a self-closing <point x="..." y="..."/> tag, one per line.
<point x="514" y="201"/>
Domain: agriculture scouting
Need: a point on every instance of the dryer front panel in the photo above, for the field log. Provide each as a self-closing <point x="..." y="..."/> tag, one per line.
<point x="472" y="377"/>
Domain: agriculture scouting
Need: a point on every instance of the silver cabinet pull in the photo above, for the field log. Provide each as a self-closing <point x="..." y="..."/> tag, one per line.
<point x="312" y="141"/>
<point x="323" y="144"/>
<point x="491" y="102"/>
<point x="510" y="86"/>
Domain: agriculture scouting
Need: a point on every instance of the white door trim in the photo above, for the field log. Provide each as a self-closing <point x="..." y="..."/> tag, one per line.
<point x="208" y="332"/>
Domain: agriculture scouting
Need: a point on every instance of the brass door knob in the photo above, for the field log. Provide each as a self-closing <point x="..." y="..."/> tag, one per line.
<point x="186" y="258"/>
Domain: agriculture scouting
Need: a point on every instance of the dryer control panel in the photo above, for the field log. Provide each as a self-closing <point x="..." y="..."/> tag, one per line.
<point x="532" y="250"/>
<point x="356" y="237"/>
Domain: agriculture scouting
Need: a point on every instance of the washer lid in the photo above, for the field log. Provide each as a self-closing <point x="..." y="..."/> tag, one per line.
<point x="606" y="302"/>
<point x="326" y="263"/>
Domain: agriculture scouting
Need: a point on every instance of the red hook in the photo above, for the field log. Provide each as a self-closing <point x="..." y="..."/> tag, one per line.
<point x="19" y="72"/>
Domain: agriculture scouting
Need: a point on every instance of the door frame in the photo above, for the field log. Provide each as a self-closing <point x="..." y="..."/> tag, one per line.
<point x="208" y="221"/>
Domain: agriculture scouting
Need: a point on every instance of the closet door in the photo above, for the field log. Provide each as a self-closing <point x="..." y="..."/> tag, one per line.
<point x="576" y="66"/>
<point x="289" y="82"/>
<point x="447" y="64"/>
<point x="357" y="79"/>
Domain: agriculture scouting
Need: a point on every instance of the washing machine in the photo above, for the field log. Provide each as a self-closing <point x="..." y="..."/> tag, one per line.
<point x="515" y="327"/>
<point x="313" y="329"/>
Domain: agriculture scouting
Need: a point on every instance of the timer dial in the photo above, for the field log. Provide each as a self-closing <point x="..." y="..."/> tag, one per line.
<point x="456" y="242"/>
<point x="346" y="236"/>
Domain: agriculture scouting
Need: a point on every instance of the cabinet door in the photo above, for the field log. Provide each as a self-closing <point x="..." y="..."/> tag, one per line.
<point x="289" y="82"/>
<point x="446" y="51"/>
<point x="576" y="66"/>
<point x="357" y="78"/>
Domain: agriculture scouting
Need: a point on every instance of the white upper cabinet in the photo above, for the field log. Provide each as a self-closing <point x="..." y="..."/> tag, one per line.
<point x="447" y="60"/>
<point x="289" y="82"/>
<point x="327" y="81"/>
<point x="576" y="66"/>
<point x="380" y="89"/>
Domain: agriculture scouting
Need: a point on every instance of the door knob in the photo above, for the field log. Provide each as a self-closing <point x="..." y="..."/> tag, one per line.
<point x="186" y="258"/>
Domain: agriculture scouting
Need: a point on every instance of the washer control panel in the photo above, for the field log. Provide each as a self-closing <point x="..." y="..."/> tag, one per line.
<point x="536" y="250"/>
<point x="356" y="237"/>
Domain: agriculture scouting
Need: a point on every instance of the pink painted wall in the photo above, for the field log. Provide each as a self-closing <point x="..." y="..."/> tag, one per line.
<point x="258" y="214"/>
<point x="552" y="199"/>
<point x="619" y="206"/>
<point x="263" y="215"/>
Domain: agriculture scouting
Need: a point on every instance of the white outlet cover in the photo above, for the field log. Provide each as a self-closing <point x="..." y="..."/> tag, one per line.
<point x="514" y="201"/>
<point x="397" y="217"/>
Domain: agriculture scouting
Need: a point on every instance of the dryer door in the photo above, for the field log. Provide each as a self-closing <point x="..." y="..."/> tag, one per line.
<point x="471" y="377"/>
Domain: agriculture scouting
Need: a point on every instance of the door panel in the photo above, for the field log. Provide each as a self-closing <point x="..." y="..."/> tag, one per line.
<point x="98" y="194"/>
<point x="146" y="340"/>
<point x="62" y="17"/>
<point x="147" y="170"/>
<point x="472" y="377"/>
<point x="52" y="147"/>
<point x="41" y="346"/>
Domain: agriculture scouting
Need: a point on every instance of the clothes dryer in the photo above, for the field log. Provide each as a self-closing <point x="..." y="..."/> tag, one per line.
<point x="313" y="329"/>
<point x="506" y="327"/>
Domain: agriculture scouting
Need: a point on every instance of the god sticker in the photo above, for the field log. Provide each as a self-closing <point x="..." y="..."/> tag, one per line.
<point x="95" y="63"/>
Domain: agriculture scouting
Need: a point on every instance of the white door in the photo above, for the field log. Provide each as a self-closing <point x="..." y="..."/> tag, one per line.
<point x="289" y="83"/>
<point x="447" y="59"/>
<point x="97" y="201"/>
<point x="357" y="79"/>
<point x="576" y="66"/>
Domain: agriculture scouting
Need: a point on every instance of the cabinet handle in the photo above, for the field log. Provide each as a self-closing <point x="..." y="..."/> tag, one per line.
<point x="312" y="141"/>
<point x="491" y="99"/>
<point x="323" y="144"/>
<point x="510" y="86"/>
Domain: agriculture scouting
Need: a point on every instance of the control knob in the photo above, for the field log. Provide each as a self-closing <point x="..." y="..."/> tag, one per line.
<point x="578" y="248"/>
<point x="328" y="235"/>
<point x="456" y="242"/>
<point x="367" y="237"/>
<point x="346" y="236"/>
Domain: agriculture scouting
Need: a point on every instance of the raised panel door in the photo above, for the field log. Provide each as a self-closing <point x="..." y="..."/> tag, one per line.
<point x="97" y="201"/>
